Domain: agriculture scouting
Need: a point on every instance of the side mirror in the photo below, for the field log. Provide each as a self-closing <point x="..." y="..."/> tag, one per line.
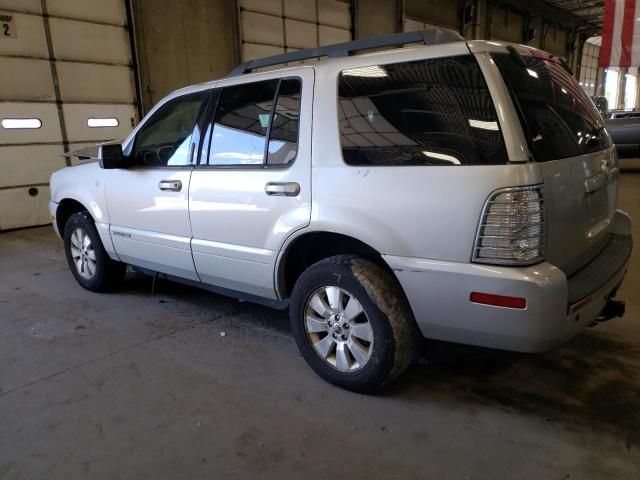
<point x="111" y="156"/>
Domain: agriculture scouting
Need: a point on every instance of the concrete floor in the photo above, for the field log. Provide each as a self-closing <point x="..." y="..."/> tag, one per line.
<point x="134" y="385"/>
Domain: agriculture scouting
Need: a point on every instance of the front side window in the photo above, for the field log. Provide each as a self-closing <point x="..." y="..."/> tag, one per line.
<point x="558" y="117"/>
<point x="255" y="122"/>
<point x="426" y="112"/>
<point x="165" y="139"/>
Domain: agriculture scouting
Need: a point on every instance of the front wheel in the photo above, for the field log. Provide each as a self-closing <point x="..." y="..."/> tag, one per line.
<point x="87" y="258"/>
<point x="352" y="323"/>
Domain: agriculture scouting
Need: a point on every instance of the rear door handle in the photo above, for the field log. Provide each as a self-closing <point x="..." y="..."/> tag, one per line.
<point x="170" y="185"/>
<point x="282" y="189"/>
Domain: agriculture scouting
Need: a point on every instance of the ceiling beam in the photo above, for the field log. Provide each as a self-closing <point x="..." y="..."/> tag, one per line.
<point x="547" y="10"/>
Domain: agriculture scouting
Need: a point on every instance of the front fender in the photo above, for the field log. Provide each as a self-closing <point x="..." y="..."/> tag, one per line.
<point x="84" y="184"/>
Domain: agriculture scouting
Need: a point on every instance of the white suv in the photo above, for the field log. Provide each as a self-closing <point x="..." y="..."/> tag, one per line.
<point x="461" y="191"/>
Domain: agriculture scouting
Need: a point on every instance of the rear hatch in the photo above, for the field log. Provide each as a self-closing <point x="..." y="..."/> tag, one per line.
<point x="567" y="137"/>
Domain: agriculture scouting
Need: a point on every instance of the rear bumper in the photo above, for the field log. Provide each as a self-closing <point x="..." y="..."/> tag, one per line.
<point x="439" y="292"/>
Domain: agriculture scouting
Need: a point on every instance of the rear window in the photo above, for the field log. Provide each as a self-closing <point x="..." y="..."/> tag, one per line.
<point x="426" y="112"/>
<point x="558" y="117"/>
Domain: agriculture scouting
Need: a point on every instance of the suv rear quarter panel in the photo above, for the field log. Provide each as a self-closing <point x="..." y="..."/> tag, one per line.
<point x="413" y="211"/>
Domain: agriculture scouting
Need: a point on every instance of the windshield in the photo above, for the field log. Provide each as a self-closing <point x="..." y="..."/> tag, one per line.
<point x="558" y="117"/>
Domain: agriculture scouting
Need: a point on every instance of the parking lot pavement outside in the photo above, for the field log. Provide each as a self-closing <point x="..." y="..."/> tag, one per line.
<point x="183" y="383"/>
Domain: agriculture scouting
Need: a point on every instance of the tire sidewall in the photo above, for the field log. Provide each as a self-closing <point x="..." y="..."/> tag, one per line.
<point x="381" y="362"/>
<point x="84" y="221"/>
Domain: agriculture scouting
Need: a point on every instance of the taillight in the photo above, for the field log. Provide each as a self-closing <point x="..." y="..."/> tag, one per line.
<point x="512" y="230"/>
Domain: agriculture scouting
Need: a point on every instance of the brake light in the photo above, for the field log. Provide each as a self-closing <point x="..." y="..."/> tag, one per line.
<point x="498" y="300"/>
<point x="512" y="228"/>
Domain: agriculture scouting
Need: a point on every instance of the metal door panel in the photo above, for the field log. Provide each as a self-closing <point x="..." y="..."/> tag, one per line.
<point x="150" y="227"/>
<point x="238" y="229"/>
<point x="22" y="208"/>
<point x="159" y="252"/>
<point x="259" y="28"/>
<point x="81" y="49"/>
<point x="578" y="219"/>
<point x="28" y="165"/>
<point x="301" y="34"/>
<point x="135" y="200"/>
<point x="252" y="51"/>
<point x="301" y="10"/>
<point x="306" y="24"/>
<point x="106" y="11"/>
<point x="250" y="277"/>
<point x="272" y="7"/>
<point x="47" y="113"/>
<point x="89" y="42"/>
<point x="32" y="6"/>
<point x="30" y="40"/>
<point x="26" y="79"/>
<point x="329" y="35"/>
<point x="76" y="118"/>
<point x="334" y="13"/>
<point x="90" y="82"/>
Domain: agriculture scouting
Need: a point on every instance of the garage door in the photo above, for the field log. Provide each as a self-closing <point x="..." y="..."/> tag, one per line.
<point x="271" y="27"/>
<point x="66" y="82"/>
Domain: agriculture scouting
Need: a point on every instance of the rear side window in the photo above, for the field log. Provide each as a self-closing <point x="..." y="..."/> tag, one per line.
<point x="426" y="112"/>
<point x="558" y="117"/>
<point x="256" y="122"/>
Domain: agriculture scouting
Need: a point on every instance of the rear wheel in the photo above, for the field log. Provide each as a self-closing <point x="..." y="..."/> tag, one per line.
<point x="87" y="258"/>
<point x="352" y="323"/>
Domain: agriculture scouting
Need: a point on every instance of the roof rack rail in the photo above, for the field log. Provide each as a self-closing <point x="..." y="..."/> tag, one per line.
<point x="431" y="36"/>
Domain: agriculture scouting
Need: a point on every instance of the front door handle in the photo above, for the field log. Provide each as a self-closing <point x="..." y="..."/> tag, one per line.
<point x="170" y="185"/>
<point x="282" y="189"/>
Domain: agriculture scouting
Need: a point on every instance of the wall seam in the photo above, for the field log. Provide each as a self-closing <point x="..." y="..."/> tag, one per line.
<point x="56" y="83"/>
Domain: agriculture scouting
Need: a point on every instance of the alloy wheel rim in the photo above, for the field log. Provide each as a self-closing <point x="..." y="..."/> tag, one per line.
<point x="338" y="328"/>
<point x="83" y="253"/>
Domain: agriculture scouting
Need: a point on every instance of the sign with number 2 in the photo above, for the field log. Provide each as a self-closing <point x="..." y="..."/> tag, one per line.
<point x="7" y="25"/>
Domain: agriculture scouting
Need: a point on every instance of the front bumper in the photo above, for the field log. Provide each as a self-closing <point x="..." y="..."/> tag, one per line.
<point x="557" y="307"/>
<point x="53" y="209"/>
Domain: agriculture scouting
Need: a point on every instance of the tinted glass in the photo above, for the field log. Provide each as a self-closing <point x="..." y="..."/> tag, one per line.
<point x="165" y="139"/>
<point x="241" y="124"/>
<point x="427" y="112"/>
<point x="283" y="137"/>
<point x="558" y="117"/>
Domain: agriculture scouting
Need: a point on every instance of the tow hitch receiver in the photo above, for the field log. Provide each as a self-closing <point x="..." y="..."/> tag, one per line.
<point x="612" y="309"/>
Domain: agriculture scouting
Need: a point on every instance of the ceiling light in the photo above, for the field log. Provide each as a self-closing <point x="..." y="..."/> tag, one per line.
<point x="533" y="73"/>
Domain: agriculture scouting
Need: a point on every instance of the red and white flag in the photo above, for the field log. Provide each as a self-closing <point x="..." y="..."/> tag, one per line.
<point x="621" y="34"/>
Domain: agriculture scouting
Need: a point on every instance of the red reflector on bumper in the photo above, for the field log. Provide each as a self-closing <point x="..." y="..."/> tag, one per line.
<point x="498" y="300"/>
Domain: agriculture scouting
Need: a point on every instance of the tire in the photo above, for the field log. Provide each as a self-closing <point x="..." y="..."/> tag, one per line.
<point x="90" y="264"/>
<point x="385" y="317"/>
